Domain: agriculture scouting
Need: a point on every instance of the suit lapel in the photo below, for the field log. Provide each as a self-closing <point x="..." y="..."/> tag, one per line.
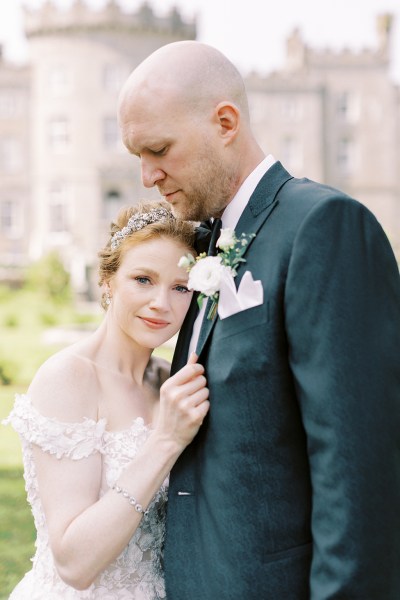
<point x="261" y="204"/>
<point x="263" y="201"/>
<point x="182" y="345"/>
<point x="206" y="327"/>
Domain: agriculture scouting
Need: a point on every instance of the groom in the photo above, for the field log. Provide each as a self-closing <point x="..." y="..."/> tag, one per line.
<point x="291" y="490"/>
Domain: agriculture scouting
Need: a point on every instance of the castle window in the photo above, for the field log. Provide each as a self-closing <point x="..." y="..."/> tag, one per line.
<point x="113" y="77"/>
<point x="111" y="132"/>
<point x="10" y="218"/>
<point x="59" y="134"/>
<point x="292" y="153"/>
<point x="11" y="159"/>
<point x="346" y="156"/>
<point x="292" y="109"/>
<point x="10" y="104"/>
<point x="348" y="107"/>
<point x="58" y="208"/>
<point x="59" y="82"/>
<point x="111" y="204"/>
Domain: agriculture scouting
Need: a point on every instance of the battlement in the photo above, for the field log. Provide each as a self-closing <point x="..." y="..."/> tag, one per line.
<point x="80" y="17"/>
<point x="300" y="56"/>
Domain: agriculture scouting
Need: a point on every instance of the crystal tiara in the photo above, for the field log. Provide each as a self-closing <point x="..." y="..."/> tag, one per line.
<point x="138" y="221"/>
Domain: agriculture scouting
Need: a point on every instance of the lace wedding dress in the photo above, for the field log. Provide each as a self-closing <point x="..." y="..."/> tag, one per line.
<point x="137" y="572"/>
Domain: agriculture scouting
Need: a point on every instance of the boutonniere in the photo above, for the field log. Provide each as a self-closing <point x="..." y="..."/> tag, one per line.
<point x="207" y="272"/>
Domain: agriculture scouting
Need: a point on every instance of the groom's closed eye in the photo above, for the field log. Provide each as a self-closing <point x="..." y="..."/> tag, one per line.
<point x="160" y="152"/>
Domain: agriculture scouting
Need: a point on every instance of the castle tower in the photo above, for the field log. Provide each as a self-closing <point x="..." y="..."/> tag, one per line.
<point x="81" y="173"/>
<point x="14" y="167"/>
<point x="384" y="26"/>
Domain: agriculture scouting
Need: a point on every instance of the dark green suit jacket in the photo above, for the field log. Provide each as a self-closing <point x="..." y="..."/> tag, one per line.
<point x="291" y="490"/>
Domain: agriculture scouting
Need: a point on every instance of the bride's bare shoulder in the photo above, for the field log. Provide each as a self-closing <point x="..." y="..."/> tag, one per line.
<point x="65" y="387"/>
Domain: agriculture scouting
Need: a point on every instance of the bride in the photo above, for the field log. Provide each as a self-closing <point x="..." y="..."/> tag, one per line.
<point x="101" y="425"/>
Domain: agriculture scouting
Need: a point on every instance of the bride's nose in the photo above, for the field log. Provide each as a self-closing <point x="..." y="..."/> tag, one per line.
<point x="160" y="299"/>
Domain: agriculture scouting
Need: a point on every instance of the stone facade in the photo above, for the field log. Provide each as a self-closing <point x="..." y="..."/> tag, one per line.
<point x="64" y="171"/>
<point x="334" y="117"/>
<point x="15" y="166"/>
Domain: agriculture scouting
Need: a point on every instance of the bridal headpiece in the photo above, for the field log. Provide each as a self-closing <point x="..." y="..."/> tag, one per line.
<point x="140" y="220"/>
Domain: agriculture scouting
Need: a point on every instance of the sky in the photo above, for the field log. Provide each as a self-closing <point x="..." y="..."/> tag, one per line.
<point x="252" y="33"/>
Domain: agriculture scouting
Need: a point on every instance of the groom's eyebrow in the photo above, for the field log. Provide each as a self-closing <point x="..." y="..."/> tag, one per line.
<point x="148" y="145"/>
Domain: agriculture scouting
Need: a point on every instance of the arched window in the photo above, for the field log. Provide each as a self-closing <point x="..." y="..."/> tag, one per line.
<point x="111" y="204"/>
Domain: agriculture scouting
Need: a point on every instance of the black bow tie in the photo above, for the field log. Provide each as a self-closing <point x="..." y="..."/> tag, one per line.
<point x="207" y="234"/>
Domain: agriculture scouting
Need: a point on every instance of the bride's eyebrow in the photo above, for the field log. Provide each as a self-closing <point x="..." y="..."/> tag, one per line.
<point x="155" y="274"/>
<point x="145" y="271"/>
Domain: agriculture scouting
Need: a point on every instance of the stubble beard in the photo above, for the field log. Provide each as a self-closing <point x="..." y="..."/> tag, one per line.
<point x="215" y="187"/>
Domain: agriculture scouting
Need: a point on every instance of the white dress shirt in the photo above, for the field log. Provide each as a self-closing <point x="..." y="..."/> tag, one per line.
<point x="230" y="218"/>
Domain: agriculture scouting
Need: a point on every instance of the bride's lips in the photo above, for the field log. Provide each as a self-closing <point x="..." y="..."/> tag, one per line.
<point x="154" y="323"/>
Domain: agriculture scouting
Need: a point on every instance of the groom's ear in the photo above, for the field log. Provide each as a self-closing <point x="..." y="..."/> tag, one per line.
<point x="227" y="117"/>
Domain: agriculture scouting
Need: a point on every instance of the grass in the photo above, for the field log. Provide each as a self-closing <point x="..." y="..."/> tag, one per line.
<point x="17" y="533"/>
<point x="24" y="319"/>
<point x="10" y="447"/>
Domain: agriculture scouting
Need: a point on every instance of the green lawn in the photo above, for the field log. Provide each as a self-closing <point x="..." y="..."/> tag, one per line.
<point x="17" y="533"/>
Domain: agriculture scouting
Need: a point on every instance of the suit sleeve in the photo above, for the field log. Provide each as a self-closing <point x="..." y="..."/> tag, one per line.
<point x="342" y="311"/>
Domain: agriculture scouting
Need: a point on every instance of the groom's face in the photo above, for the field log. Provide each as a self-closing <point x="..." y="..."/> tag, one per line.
<point x="180" y="154"/>
<point x="196" y="182"/>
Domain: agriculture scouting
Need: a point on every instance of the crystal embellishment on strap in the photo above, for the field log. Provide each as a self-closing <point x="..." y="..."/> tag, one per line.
<point x="140" y="220"/>
<point x="132" y="501"/>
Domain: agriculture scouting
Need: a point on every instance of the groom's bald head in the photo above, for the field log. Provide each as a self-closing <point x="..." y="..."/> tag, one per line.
<point x="193" y="74"/>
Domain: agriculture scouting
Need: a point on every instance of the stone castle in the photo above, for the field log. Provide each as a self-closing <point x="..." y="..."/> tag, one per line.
<point x="64" y="173"/>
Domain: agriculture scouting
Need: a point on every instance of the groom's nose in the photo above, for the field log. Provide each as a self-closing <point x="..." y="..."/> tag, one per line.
<point x="151" y="174"/>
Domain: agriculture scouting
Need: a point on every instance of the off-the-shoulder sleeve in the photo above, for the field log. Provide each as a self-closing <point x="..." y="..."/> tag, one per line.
<point x="70" y="440"/>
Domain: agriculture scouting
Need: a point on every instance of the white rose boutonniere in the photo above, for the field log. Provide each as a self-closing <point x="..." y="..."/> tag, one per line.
<point x="205" y="275"/>
<point x="226" y="240"/>
<point x="206" y="272"/>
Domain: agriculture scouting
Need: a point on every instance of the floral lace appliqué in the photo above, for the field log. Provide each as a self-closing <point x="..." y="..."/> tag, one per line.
<point x="136" y="574"/>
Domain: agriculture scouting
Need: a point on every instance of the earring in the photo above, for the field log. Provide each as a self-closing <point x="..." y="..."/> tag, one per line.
<point x="107" y="298"/>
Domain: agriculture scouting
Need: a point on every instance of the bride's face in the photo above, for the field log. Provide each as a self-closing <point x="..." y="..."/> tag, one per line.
<point x="149" y="292"/>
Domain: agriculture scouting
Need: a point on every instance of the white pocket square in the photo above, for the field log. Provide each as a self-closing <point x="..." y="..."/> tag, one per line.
<point x="231" y="301"/>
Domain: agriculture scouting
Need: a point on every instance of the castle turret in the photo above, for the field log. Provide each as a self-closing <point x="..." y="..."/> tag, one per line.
<point x="384" y="25"/>
<point x="82" y="174"/>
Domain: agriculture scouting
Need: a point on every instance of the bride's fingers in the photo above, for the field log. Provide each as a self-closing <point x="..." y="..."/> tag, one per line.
<point x="188" y="372"/>
<point x="199" y="397"/>
<point x="185" y="392"/>
<point x="201" y="411"/>
<point x="192" y="360"/>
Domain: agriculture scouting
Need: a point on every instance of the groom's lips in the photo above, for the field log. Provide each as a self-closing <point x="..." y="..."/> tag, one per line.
<point x="169" y="196"/>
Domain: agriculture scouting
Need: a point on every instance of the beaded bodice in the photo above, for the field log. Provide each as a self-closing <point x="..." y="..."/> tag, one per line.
<point x="137" y="572"/>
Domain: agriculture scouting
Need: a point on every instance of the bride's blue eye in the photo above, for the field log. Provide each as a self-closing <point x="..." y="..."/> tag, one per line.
<point x="182" y="289"/>
<point x="142" y="279"/>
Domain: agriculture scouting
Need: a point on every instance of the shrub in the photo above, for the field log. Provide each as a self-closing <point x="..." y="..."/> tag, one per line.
<point x="5" y="293"/>
<point x="48" y="318"/>
<point x="11" y="321"/>
<point x="8" y="371"/>
<point x="86" y="319"/>
<point x="49" y="276"/>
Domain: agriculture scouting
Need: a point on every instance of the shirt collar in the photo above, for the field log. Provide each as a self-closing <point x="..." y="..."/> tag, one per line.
<point x="236" y="206"/>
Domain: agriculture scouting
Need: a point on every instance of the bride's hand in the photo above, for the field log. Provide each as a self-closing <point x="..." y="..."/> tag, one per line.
<point x="183" y="403"/>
